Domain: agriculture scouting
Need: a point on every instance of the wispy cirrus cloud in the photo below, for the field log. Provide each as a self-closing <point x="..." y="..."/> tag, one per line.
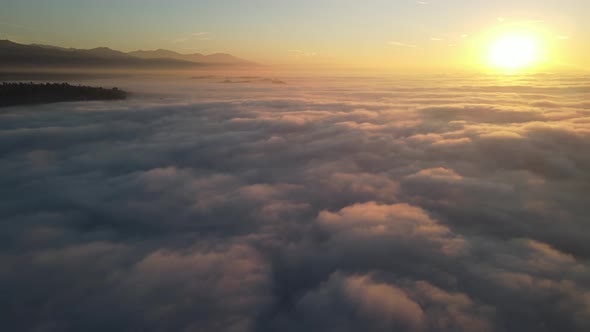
<point x="202" y="35"/>
<point x="401" y="44"/>
<point x="303" y="53"/>
<point x="195" y="36"/>
<point x="17" y="26"/>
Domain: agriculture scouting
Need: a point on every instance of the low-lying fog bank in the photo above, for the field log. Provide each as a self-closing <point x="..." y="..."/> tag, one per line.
<point x="322" y="204"/>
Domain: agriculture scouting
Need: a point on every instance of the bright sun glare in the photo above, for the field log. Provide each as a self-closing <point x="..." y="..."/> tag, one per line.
<point x="515" y="52"/>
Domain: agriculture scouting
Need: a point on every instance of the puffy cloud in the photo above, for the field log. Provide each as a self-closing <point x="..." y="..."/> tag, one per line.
<point x="396" y="225"/>
<point x="208" y="290"/>
<point x="422" y="204"/>
<point x="357" y="302"/>
<point x="350" y="303"/>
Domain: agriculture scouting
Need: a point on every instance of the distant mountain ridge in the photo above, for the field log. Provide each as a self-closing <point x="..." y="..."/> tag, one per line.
<point x="216" y="58"/>
<point x="19" y="55"/>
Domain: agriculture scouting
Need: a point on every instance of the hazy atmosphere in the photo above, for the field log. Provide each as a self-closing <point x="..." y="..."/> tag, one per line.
<point x="246" y="166"/>
<point x="399" y="34"/>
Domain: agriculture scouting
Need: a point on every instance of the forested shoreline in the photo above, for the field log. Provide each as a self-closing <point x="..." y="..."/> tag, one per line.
<point x="12" y="94"/>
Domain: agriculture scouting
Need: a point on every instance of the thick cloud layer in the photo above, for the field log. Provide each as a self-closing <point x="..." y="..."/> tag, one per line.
<point x="343" y="204"/>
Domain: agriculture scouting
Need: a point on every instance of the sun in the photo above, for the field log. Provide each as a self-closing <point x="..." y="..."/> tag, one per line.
<point x="514" y="52"/>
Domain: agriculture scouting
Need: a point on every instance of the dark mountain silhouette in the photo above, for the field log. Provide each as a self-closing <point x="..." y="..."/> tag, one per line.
<point x="217" y="58"/>
<point x="107" y="53"/>
<point x="32" y="56"/>
<point x="54" y="47"/>
<point x="14" y="55"/>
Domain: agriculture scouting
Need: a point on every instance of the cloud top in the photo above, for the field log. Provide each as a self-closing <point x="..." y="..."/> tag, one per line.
<point x="371" y="204"/>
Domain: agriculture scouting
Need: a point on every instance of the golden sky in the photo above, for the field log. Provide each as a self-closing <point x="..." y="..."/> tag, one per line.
<point x="402" y="34"/>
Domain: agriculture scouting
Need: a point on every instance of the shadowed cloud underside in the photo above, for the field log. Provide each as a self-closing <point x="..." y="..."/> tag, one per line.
<point x="365" y="204"/>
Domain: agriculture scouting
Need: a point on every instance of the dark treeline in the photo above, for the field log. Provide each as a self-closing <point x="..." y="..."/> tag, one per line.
<point x="32" y="93"/>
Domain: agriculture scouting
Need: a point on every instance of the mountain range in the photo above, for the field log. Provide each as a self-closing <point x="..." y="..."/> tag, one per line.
<point x="36" y="56"/>
<point x="217" y="58"/>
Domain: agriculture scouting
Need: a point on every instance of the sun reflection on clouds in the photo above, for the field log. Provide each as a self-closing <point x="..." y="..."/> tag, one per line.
<point x="447" y="203"/>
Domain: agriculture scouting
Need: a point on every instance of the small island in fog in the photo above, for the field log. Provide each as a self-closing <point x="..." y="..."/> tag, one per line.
<point x="12" y="94"/>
